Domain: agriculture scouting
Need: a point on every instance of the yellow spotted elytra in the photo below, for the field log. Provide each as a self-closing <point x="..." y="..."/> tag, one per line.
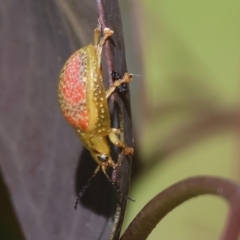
<point x="83" y="101"/>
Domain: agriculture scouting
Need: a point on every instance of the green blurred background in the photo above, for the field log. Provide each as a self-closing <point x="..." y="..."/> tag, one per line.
<point x="185" y="105"/>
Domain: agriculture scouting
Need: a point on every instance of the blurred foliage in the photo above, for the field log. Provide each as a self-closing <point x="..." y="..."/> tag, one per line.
<point x="189" y="86"/>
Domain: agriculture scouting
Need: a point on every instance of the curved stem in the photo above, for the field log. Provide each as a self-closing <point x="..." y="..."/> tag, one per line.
<point x="173" y="196"/>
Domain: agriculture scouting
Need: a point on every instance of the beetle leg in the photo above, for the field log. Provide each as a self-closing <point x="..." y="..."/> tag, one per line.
<point x="97" y="32"/>
<point x="116" y="130"/>
<point x="105" y="173"/>
<point x="107" y="32"/>
<point x="112" y="163"/>
<point x="116" y="141"/>
<point x="126" y="79"/>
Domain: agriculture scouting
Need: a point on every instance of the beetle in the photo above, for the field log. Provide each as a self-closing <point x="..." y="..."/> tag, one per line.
<point x="83" y="102"/>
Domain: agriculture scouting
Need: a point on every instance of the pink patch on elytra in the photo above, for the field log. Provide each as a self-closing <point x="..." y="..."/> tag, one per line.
<point x="73" y="88"/>
<point x="74" y="93"/>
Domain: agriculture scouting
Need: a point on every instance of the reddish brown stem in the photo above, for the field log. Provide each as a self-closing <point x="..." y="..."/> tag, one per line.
<point x="109" y="16"/>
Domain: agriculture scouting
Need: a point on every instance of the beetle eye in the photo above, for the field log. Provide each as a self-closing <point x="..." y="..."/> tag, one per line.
<point x="103" y="157"/>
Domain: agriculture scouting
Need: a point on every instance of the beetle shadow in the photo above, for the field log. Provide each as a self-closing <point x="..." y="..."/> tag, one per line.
<point x="100" y="196"/>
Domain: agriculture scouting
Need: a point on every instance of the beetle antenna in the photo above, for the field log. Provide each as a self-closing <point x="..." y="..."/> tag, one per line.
<point x="80" y="194"/>
<point x="136" y="75"/>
